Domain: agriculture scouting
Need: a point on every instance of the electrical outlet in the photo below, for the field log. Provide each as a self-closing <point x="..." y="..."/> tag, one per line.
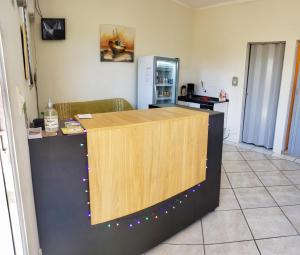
<point x="235" y="81"/>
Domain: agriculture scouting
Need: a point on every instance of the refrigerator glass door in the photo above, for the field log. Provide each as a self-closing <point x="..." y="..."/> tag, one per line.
<point x="166" y="79"/>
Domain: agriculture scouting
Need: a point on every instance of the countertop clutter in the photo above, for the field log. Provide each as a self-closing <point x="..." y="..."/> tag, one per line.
<point x="201" y="99"/>
<point x="205" y="102"/>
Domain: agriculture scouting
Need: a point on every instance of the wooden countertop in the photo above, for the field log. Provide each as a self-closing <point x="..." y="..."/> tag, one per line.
<point x="125" y="118"/>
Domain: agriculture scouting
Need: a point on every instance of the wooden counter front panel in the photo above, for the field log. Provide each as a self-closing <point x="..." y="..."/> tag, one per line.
<point x="133" y="167"/>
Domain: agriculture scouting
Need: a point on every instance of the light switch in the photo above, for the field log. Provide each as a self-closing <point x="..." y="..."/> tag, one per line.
<point x="235" y="81"/>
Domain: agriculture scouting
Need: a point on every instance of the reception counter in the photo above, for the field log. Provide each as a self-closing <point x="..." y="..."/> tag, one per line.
<point x="133" y="180"/>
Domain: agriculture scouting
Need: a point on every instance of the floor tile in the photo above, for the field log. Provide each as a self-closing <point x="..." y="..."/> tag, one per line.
<point x="280" y="156"/>
<point x="287" y="157"/>
<point x="268" y="222"/>
<point x="293" y="176"/>
<point x="282" y="164"/>
<point x="263" y="150"/>
<point x="227" y="147"/>
<point x="228" y="200"/>
<point x="252" y="155"/>
<point x="254" y="197"/>
<point x="273" y="178"/>
<point x="222" y="168"/>
<point x="236" y="166"/>
<point x="245" y="147"/>
<point x="231" y="156"/>
<point x="224" y="181"/>
<point x="273" y="156"/>
<point x="168" y="249"/>
<point x="244" y="180"/>
<point x="293" y="214"/>
<point x="280" y="246"/>
<point x="238" y="248"/>
<point x="225" y="226"/>
<point x="190" y="235"/>
<point x="285" y="195"/>
<point x="262" y="165"/>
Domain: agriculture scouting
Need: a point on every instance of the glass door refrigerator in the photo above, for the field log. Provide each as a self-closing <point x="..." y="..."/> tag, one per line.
<point x="157" y="80"/>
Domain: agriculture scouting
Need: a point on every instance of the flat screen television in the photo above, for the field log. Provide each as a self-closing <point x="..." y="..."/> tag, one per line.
<point x="53" y="29"/>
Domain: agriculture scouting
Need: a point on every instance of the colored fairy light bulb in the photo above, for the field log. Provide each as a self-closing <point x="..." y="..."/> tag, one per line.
<point x="166" y="212"/>
<point x="117" y="224"/>
<point x="194" y="190"/>
<point x="88" y="202"/>
<point x="138" y="222"/>
<point x="173" y="207"/>
<point x="199" y="185"/>
<point x="109" y="226"/>
<point x="156" y="217"/>
<point x="180" y="202"/>
<point x="186" y="195"/>
<point x="130" y="225"/>
<point x="81" y="144"/>
<point x="146" y="218"/>
<point x="86" y="191"/>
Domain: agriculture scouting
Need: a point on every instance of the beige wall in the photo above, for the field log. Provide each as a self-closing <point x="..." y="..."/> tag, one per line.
<point x="71" y="70"/>
<point x="18" y="89"/>
<point x="220" y="49"/>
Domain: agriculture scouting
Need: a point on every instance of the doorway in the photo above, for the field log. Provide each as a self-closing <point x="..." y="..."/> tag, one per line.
<point x="262" y="93"/>
<point x="292" y="144"/>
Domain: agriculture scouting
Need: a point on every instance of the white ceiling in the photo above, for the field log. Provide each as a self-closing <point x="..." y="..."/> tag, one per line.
<point x="208" y="3"/>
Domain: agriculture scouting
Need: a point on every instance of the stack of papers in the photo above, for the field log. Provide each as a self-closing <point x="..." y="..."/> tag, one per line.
<point x="34" y="133"/>
<point x="85" y="116"/>
<point x="72" y="130"/>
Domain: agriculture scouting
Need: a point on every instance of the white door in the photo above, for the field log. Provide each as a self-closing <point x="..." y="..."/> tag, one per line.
<point x="262" y="93"/>
<point x="6" y="236"/>
<point x="12" y="241"/>
<point x="5" y="232"/>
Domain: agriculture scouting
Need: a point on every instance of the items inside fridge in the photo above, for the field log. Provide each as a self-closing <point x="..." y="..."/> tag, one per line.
<point x="157" y="80"/>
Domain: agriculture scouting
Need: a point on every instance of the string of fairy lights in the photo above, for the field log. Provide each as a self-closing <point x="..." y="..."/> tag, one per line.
<point x="165" y="210"/>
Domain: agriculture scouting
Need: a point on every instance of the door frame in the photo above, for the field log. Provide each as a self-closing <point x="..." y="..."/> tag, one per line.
<point x="246" y="78"/>
<point x="293" y="95"/>
<point x="8" y="159"/>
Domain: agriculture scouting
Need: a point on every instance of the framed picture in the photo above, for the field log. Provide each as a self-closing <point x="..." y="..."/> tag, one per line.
<point x="53" y="29"/>
<point x="25" y="51"/>
<point x="116" y="43"/>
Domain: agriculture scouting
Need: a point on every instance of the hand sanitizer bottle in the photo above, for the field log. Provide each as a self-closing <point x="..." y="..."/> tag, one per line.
<point x="50" y="118"/>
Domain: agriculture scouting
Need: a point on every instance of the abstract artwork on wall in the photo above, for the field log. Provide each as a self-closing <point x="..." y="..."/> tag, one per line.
<point x="116" y="43"/>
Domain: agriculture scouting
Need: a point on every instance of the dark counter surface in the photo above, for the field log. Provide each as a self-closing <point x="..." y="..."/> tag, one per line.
<point x="201" y="99"/>
<point x="211" y="112"/>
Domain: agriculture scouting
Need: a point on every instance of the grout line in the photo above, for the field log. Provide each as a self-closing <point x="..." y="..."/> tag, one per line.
<point x="276" y="202"/>
<point x="245" y="218"/>
<point x="271" y="153"/>
<point x="275" y="237"/>
<point x="229" y="242"/>
<point x="240" y="241"/>
<point x="282" y="172"/>
<point x="202" y="236"/>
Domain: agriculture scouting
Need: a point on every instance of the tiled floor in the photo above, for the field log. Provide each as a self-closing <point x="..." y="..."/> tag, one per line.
<point x="259" y="210"/>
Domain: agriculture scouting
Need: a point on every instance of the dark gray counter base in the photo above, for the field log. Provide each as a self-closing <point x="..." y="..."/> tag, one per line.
<point x="58" y="167"/>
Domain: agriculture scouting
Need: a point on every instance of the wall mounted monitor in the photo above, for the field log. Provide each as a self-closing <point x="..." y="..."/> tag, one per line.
<point x="53" y="29"/>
